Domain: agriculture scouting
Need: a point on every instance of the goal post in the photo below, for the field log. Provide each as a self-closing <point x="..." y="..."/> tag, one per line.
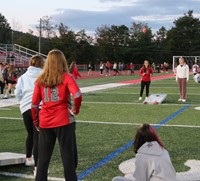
<point x="190" y="60"/>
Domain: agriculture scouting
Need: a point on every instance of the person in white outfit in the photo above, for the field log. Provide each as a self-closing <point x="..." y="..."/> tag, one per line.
<point x="23" y="92"/>
<point x="152" y="161"/>
<point x="182" y="78"/>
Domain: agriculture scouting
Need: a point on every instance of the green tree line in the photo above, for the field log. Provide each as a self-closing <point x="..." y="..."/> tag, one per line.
<point x="114" y="43"/>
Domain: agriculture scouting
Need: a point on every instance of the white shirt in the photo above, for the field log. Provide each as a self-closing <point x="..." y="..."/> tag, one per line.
<point x="182" y="72"/>
<point x="195" y="68"/>
<point x="25" y="86"/>
<point x="197" y="78"/>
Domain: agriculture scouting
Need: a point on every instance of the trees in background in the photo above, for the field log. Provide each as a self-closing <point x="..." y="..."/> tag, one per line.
<point x="114" y="43"/>
<point x="5" y="30"/>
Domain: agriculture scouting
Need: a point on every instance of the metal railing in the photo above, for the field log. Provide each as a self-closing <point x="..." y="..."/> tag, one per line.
<point x="16" y="54"/>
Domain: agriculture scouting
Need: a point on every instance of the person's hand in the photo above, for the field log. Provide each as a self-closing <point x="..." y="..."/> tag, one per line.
<point x="143" y="74"/>
<point x="37" y="128"/>
<point x="71" y="112"/>
<point x="186" y="81"/>
<point x="176" y="81"/>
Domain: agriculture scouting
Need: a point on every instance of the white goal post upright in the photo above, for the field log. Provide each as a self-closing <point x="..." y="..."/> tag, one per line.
<point x="189" y="59"/>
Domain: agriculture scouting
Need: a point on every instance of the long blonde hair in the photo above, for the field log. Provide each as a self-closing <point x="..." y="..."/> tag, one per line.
<point x="54" y="68"/>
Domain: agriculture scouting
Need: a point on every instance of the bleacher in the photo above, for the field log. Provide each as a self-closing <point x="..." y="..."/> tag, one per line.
<point x="17" y="55"/>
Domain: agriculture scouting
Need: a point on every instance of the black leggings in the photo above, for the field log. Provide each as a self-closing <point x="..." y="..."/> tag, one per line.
<point x="32" y="137"/>
<point x="2" y="85"/>
<point x="143" y="84"/>
<point x="67" y="143"/>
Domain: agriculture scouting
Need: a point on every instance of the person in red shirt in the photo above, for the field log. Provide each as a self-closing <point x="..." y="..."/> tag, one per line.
<point x="146" y="72"/>
<point x="73" y="70"/>
<point x="56" y="116"/>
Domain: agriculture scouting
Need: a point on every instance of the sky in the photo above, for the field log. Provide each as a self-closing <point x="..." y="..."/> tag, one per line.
<point x="23" y="15"/>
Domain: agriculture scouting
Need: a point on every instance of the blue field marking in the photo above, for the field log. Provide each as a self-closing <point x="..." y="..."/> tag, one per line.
<point x="102" y="162"/>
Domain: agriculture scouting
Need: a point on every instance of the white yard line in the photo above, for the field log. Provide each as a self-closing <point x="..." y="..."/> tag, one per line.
<point x="118" y="123"/>
<point x="133" y="103"/>
<point x="20" y="175"/>
<point x="5" y="109"/>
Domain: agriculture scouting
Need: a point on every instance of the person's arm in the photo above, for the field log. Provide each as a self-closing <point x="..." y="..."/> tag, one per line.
<point x="77" y="95"/>
<point x="77" y="73"/>
<point x="18" y="89"/>
<point x="141" y="72"/>
<point x="36" y="99"/>
<point x="187" y="73"/>
<point x="151" y="72"/>
<point x="141" y="169"/>
<point x="177" y="72"/>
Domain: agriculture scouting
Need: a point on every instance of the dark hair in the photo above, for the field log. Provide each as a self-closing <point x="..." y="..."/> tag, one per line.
<point x="145" y="133"/>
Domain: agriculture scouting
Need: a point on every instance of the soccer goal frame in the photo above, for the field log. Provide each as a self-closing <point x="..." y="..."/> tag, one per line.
<point x="190" y="60"/>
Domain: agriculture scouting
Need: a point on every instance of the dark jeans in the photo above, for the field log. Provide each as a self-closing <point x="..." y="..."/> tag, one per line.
<point x="143" y="85"/>
<point x="67" y="142"/>
<point x="2" y="85"/>
<point x="32" y="137"/>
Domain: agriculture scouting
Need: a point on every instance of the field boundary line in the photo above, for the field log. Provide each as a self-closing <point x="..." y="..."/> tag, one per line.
<point x="26" y="176"/>
<point x="120" y="123"/>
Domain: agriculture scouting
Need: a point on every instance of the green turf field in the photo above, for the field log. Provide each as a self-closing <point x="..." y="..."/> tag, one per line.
<point x="120" y="105"/>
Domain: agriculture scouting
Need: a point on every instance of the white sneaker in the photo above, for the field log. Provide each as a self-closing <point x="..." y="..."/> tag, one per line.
<point x="140" y="98"/>
<point x="1" y="96"/>
<point x="5" y="97"/>
<point x="35" y="171"/>
<point x="29" y="162"/>
<point x="146" y="98"/>
<point x="12" y="95"/>
<point x="183" y="100"/>
<point x="179" y="100"/>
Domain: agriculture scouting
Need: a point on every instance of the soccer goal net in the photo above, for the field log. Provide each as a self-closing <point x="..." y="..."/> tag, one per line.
<point x="189" y="59"/>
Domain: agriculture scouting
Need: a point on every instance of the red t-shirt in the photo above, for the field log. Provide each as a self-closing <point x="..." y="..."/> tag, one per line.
<point x="147" y="76"/>
<point x="75" y="73"/>
<point x="55" y="103"/>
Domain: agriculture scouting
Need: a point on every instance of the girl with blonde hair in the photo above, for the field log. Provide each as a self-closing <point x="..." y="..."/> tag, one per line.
<point x="56" y="118"/>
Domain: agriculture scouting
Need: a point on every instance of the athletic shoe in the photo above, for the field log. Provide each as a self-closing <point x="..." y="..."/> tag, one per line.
<point x="35" y="171"/>
<point x="146" y="98"/>
<point x="179" y="100"/>
<point x="5" y="97"/>
<point x="1" y="96"/>
<point x="140" y="98"/>
<point x="29" y="162"/>
<point x="183" y="100"/>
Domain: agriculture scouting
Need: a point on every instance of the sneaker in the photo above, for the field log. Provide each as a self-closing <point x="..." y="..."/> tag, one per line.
<point x="1" y="96"/>
<point x="146" y="98"/>
<point x="183" y="100"/>
<point x="29" y="162"/>
<point x="5" y="97"/>
<point x="179" y="100"/>
<point x="12" y="95"/>
<point x="35" y="171"/>
<point x="140" y="98"/>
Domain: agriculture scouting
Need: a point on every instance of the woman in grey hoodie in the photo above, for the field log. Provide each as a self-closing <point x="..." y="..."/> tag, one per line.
<point x="23" y="92"/>
<point x="152" y="161"/>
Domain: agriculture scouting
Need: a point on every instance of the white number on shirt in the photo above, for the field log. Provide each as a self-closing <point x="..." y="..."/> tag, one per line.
<point x="54" y="95"/>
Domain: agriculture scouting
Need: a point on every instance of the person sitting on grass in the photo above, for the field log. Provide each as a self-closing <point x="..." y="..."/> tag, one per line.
<point x="152" y="161"/>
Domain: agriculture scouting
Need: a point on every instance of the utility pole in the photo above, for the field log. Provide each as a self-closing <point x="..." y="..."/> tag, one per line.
<point x="12" y="37"/>
<point x="40" y="34"/>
